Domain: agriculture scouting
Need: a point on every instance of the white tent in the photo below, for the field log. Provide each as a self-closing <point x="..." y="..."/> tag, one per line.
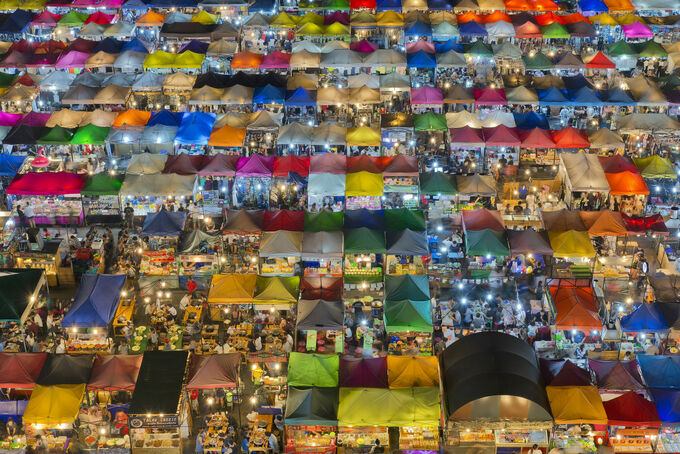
<point x="462" y="119"/>
<point x="146" y="164"/>
<point x="281" y="243"/>
<point x="159" y="185"/>
<point x="295" y="134"/>
<point x="158" y="134"/>
<point x="493" y="118"/>
<point x="582" y="172"/>
<point x="322" y="245"/>
<point x="326" y="184"/>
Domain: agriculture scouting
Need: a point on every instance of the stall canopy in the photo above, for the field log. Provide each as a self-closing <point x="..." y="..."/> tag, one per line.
<point x="491" y="379"/>
<point x="281" y="243"/>
<point x="320" y="315"/>
<point x="46" y="184"/>
<point x="65" y="370"/>
<point x="406" y="242"/>
<point x="326" y="245"/>
<point x="312" y="406"/>
<point x="481" y="219"/>
<point x="313" y="369"/>
<point x="324" y="221"/>
<point x="371" y="219"/>
<point x="243" y="221"/>
<point x="563" y="372"/>
<point x="364" y="241"/>
<point x="54" y="405"/>
<point x="102" y="184"/>
<point x="284" y="220"/>
<point x="660" y="371"/>
<point x="655" y="167"/>
<point x="361" y="184"/>
<point x="197" y="242"/>
<point x="398" y="407"/>
<point x="164" y="223"/>
<point x="95" y="302"/>
<point x="604" y="223"/>
<point x="407" y="287"/>
<point x="486" y="242"/>
<point x="18" y="285"/>
<point x="576" y="405"/>
<point x="326" y="287"/>
<point x="412" y="371"/>
<point x="571" y="244"/>
<point x="214" y="371"/>
<point x="404" y="218"/>
<point x="20" y="370"/>
<point x="576" y="308"/>
<point x="232" y="288"/>
<point x="10" y="164"/>
<point x="631" y="410"/>
<point x="114" y="372"/>
<point x="276" y="290"/>
<point x="402" y="316"/>
<point x="616" y="375"/>
<point x="528" y="242"/>
<point x="667" y="402"/>
<point x="159" y="383"/>
<point x="476" y="185"/>
<point x="626" y="183"/>
<point x="584" y="173"/>
<point x="563" y="220"/>
<point x="437" y="183"/>
<point x="646" y="318"/>
<point x="363" y="372"/>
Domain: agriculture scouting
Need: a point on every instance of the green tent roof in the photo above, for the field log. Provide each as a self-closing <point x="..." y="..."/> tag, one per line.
<point x="437" y="183"/>
<point x="479" y="49"/>
<point x="669" y="81"/>
<point x="6" y="79"/>
<point x="324" y="221"/>
<point x="312" y="406"/>
<point x="655" y="167"/>
<point x="364" y="241"/>
<point x="486" y="242"/>
<point x="407" y="287"/>
<point x="430" y="121"/>
<point x="389" y="407"/>
<point x="277" y="289"/>
<point x="56" y="136"/>
<point x="650" y="49"/>
<point x="102" y="184"/>
<point x="72" y="19"/>
<point x="538" y="62"/>
<point x="407" y="315"/>
<point x="17" y="290"/>
<point x="90" y="135"/>
<point x="621" y="49"/>
<point x="555" y="31"/>
<point x="313" y="369"/>
<point x="404" y="218"/>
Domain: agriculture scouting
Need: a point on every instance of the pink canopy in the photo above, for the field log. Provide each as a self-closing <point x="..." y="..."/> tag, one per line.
<point x="363" y="46"/>
<point x="328" y="163"/>
<point x="276" y="60"/>
<point x="490" y="97"/>
<point x="83" y="3"/>
<point x="427" y="95"/>
<point x="255" y="166"/>
<point x="45" y="19"/>
<point x="72" y="59"/>
<point x="412" y="48"/>
<point x="46" y="183"/>
<point x="466" y="136"/>
<point x="36" y="119"/>
<point x="9" y="119"/>
<point x="637" y="30"/>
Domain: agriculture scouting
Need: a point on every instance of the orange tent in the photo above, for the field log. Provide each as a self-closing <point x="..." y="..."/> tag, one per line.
<point x="151" y="19"/>
<point x="227" y="136"/>
<point x="576" y="308"/>
<point x="619" y="5"/>
<point x="543" y="5"/>
<point x="494" y="17"/>
<point x="517" y="5"/>
<point x="626" y="183"/>
<point x="467" y="17"/>
<point x="246" y="60"/>
<point x="604" y="223"/>
<point x="132" y="117"/>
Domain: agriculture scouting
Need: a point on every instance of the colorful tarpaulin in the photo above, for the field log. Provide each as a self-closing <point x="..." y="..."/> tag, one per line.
<point x="95" y="302"/>
<point x="576" y="405"/>
<point x="313" y="369"/>
<point x="398" y="407"/>
<point x="54" y="405"/>
<point x="412" y="371"/>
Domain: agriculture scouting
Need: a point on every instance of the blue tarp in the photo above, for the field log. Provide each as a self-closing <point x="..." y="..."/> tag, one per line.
<point x="445" y="46"/>
<point x="584" y="96"/>
<point x="17" y="22"/>
<point x="576" y="82"/>
<point x="593" y="6"/>
<point x="164" y="223"/>
<point x="96" y="301"/>
<point x="134" y="45"/>
<point x="646" y="318"/>
<point x="301" y="97"/>
<point x="551" y="97"/>
<point x="472" y="28"/>
<point x="195" y="128"/>
<point x="439" y="5"/>
<point x="418" y="28"/>
<point x="197" y="47"/>
<point x="165" y="118"/>
<point x="617" y="97"/>
<point x="660" y="371"/>
<point x="262" y="6"/>
<point x="371" y="219"/>
<point x="384" y="5"/>
<point x="108" y="45"/>
<point x="10" y="164"/>
<point x="531" y="120"/>
<point x="135" y="4"/>
<point x="421" y="59"/>
<point x="269" y="94"/>
<point x="667" y="402"/>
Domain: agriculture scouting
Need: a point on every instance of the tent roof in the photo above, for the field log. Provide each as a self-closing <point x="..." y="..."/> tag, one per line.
<point x="660" y="371"/>
<point x="54" y="405"/>
<point x="563" y="372"/>
<point x="164" y="223"/>
<point x="313" y="369"/>
<point x="312" y="406"/>
<point x="325" y="287"/>
<point x="616" y="375"/>
<point x="407" y="316"/>
<point x="404" y="218"/>
<point x="192" y="242"/>
<point x="281" y="243"/>
<point x="667" y="402"/>
<point x="604" y="223"/>
<point x="159" y="383"/>
<point x="576" y="308"/>
<point x="631" y="409"/>
<point x="437" y="183"/>
<point x="20" y="370"/>
<point x="476" y="185"/>
<point x="95" y="302"/>
<point x="18" y="286"/>
<point x="584" y="172"/>
<point x="407" y="287"/>
<point x="214" y="371"/>
<point x="528" y="242"/>
<point x="363" y="372"/>
<point x="232" y="288"/>
<point x="320" y="315"/>
<point x="363" y="217"/>
<point x="327" y="221"/>
<point x="576" y="405"/>
<point x="46" y="183"/>
<point x="114" y="372"/>
<point x="364" y="241"/>
<point x="655" y="167"/>
<point x="412" y="371"/>
<point x="284" y="220"/>
<point x="277" y="290"/>
<point x="60" y="369"/>
<point x="407" y="242"/>
<point x="322" y="244"/>
<point x="486" y="242"/>
<point x="482" y="219"/>
<point x="399" y="407"/>
<point x="646" y="318"/>
<point x="243" y="221"/>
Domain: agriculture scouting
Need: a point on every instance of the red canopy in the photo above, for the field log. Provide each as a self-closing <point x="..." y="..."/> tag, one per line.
<point x="291" y="163"/>
<point x="115" y="372"/>
<point x="570" y="138"/>
<point x="528" y="30"/>
<point x="490" y="96"/>
<point x="326" y="288"/>
<point x="328" y="163"/>
<point x="46" y="183"/>
<point x="401" y="165"/>
<point x="100" y="18"/>
<point x="641" y="226"/>
<point x="482" y="219"/>
<point x="549" y="18"/>
<point x="466" y="136"/>
<point x="626" y="183"/>
<point x="284" y="220"/>
<point x="223" y="165"/>
<point x="26" y="80"/>
<point x="501" y="136"/>
<point x="563" y="372"/>
<point x="358" y="4"/>
<point x="365" y="163"/>
<point x="631" y="410"/>
<point x="214" y="371"/>
<point x="185" y="164"/>
<point x="617" y="163"/>
<point x="600" y="61"/>
<point x="20" y="370"/>
<point x="536" y="138"/>
<point x="575" y="17"/>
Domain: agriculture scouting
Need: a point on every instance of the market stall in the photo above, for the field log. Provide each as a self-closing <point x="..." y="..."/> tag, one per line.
<point x="197" y="254"/>
<point x="101" y="204"/>
<point x="580" y="417"/>
<point x="163" y="229"/>
<point x="280" y="253"/>
<point x="228" y="290"/>
<point x="320" y="324"/>
<point x="311" y="419"/>
<point x="437" y="193"/>
<point x="322" y="253"/>
<point x="582" y="173"/>
<point x="633" y="423"/>
<point x="146" y="193"/>
<point x="241" y="237"/>
<point x="364" y="255"/>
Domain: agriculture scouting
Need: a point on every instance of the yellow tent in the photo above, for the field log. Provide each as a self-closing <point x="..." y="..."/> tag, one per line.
<point x="284" y="20"/>
<point x="576" y="405"/>
<point x="412" y="371"/>
<point x="232" y="288"/>
<point x="630" y="18"/>
<point x="277" y="290"/>
<point x="604" y="19"/>
<point x="336" y="29"/>
<point x="309" y="29"/>
<point x="364" y="184"/>
<point x="390" y="19"/>
<point x="363" y="136"/>
<point x="311" y="18"/>
<point x="189" y="59"/>
<point x="205" y="18"/>
<point x="53" y="405"/>
<point x="159" y="59"/>
<point x="570" y="244"/>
